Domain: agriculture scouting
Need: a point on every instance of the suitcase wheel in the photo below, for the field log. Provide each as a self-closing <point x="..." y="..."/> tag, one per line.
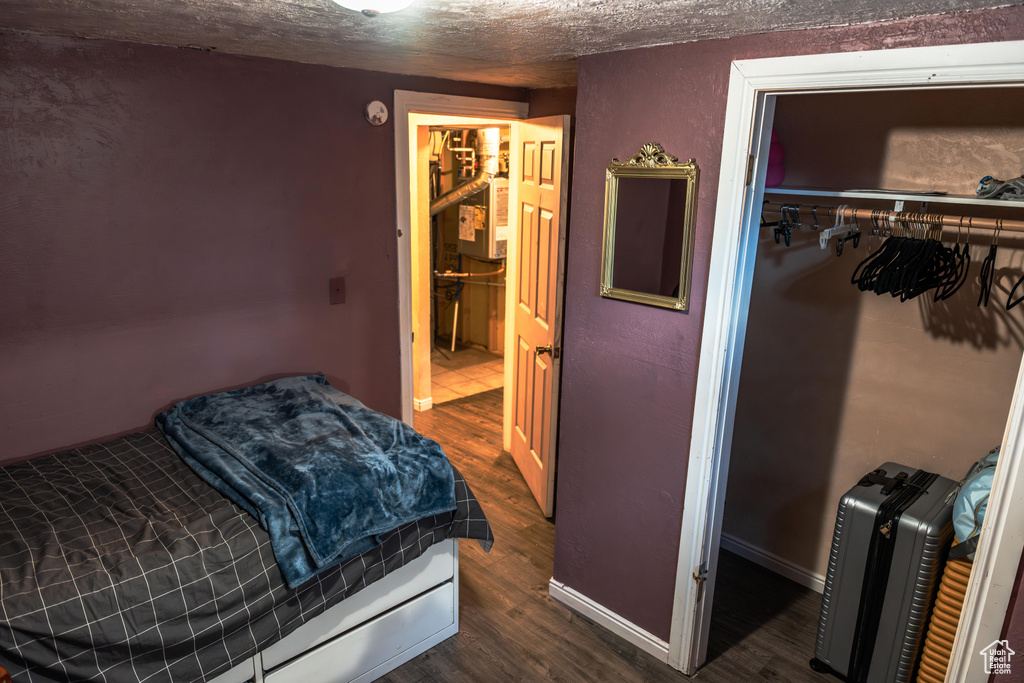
<point x="820" y="666"/>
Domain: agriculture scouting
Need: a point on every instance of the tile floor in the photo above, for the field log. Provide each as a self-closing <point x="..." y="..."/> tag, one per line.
<point x="463" y="373"/>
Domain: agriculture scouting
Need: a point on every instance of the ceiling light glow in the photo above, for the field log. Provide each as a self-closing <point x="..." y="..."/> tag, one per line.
<point x="372" y="8"/>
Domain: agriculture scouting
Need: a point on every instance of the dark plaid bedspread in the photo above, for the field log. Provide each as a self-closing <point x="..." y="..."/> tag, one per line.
<point x="117" y="563"/>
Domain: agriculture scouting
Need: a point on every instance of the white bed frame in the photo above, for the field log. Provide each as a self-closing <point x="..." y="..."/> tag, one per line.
<point x="376" y="630"/>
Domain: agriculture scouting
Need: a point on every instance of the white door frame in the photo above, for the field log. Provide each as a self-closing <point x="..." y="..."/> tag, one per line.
<point x="409" y="102"/>
<point x="752" y="84"/>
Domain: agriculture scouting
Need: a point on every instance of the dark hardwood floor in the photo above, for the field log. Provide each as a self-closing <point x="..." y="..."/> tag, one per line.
<point x="511" y="630"/>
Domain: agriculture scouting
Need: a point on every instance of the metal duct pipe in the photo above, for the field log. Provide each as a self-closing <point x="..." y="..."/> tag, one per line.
<point x="488" y="142"/>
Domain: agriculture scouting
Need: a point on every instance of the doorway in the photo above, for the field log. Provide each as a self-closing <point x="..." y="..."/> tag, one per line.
<point x="753" y="89"/>
<point x="467" y="172"/>
<point x="533" y="263"/>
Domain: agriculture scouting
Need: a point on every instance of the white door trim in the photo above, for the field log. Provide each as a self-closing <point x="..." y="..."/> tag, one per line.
<point x="409" y="102"/>
<point x="751" y="84"/>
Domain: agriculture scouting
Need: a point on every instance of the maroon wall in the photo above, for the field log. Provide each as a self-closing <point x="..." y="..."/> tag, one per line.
<point x="551" y="101"/>
<point x="169" y="220"/>
<point x="620" y="488"/>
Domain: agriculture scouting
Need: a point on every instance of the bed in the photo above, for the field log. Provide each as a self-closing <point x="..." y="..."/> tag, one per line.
<point x="119" y="562"/>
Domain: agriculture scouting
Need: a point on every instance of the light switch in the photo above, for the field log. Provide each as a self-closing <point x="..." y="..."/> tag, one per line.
<point x="337" y="290"/>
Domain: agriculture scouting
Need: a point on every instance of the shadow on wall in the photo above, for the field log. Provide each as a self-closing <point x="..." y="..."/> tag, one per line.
<point x="962" y="320"/>
<point x="793" y="384"/>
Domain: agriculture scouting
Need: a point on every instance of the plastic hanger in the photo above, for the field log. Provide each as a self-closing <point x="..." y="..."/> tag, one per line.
<point x="930" y="268"/>
<point x="1012" y="303"/>
<point x="962" y="258"/>
<point x="858" y="272"/>
<point x="988" y="268"/>
<point x="782" y="228"/>
<point x="842" y="230"/>
<point x="891" y="279"/>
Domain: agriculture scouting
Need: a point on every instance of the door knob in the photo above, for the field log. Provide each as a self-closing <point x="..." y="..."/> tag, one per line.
<point x="553" y="351"/>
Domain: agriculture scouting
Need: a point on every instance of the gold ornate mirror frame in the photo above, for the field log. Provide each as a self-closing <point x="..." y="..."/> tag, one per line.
<point x="645" y="218"/>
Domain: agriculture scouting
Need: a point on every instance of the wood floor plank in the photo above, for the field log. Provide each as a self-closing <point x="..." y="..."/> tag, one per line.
<point x="511" y="629"/>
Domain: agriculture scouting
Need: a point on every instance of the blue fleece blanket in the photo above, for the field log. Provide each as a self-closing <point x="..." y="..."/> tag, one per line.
<point x="323" y="474"/>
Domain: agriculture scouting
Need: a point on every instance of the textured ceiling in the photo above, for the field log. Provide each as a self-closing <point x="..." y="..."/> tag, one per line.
<point x="524" y="43"/>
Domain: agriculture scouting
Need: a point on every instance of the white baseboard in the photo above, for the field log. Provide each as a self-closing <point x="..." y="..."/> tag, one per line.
<point x="805" y="577"/>
<point x="600" y="614"/>
<point x="420" y="404"/>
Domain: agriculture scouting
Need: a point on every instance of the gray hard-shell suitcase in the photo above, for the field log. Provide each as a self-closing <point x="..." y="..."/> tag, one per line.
<point x="893" y="530"/>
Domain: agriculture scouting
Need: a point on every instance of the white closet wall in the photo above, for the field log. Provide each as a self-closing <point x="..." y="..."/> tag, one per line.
<point x="836" y="381"/>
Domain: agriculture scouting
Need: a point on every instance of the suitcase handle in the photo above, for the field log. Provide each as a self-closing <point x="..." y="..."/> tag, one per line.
<point x="888" y="484"/>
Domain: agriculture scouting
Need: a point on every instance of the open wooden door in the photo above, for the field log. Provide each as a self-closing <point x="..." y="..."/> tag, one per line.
<point x="538" y="168"/>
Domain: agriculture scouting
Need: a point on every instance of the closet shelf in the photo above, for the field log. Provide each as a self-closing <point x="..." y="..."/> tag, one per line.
<point x="888" y="195"/>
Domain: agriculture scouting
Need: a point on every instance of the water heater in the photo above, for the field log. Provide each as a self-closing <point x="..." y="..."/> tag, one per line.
<point x="483" y="222"/>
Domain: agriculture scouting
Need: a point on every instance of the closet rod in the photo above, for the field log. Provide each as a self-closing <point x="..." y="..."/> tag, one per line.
<point x="897" y="217"/>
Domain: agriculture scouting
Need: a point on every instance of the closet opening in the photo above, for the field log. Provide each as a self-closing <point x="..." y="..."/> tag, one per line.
<point x="835" y="379"/>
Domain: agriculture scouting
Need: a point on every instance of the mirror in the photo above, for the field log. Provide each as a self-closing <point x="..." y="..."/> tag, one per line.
<point x="650" y="203"/>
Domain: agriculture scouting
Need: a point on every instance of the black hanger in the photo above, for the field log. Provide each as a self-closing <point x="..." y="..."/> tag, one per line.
<point x="764" y="223"/>
<point x="1012" y="303"/>
<point x="936" y="265"/>
<point x="791" y="219"/>
<point x="988" y="268"/>
<point x="867" y="272"/>
<point x="782" y="228"/>
<point x="909" y="263"/>
<point x="915" y="278"/>
<point x="859" y="273"/>
<point x="890" y="278"/>
<point x="962" y="259"/>
<point x="794" y="215"/>
<point x="913" y="260"/>
<point x="841" y="241"/>
<point x="919" y="263"/>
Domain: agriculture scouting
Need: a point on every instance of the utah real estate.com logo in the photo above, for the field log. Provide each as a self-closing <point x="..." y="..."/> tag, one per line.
<point x="997" y="657"/>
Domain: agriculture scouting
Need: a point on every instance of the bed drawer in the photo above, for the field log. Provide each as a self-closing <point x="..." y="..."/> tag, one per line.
<point x="434" y="567"/>
<point x="368" y="651"/>
<point x="242" y="673"/>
